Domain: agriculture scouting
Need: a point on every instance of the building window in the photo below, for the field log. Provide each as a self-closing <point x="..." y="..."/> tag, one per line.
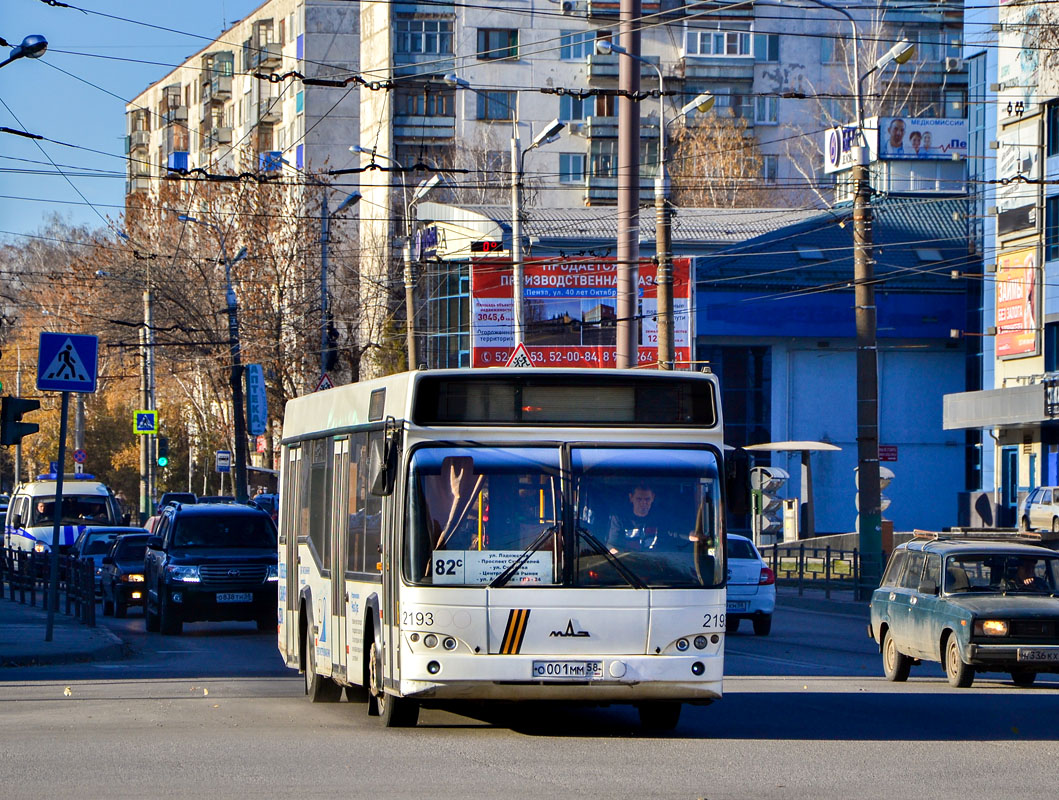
<point x="699" y="42"/>
<point x="494" y="43"/>
<point x="571" y="108"/>
<point x="299" y="102"/>
<point x="496" y="105"/>
<point x="572" y="168"/>
<point x="424" y="102"/>
<point x="767" y="47"/>
<point x="604" y="158"/>
<point x="832" y="49"/>
<point x="770" y="168"/>
<point x="766" y="110"/>
<point x="576" y="45"/>
<point x="955" y="103"/>
<point x="728" y="101"/>
<point x="1051" y="228"/>
<point x="423" y="36"/>
<point x="1052" y="133"/>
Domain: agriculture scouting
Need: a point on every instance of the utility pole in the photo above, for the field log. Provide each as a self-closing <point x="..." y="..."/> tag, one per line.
<point x="325" y="221"/>
<point x="18" y="444"/>
<point x="517" y="281"/>
<point x="627" y="338"/>
<point x="145" y="400"/>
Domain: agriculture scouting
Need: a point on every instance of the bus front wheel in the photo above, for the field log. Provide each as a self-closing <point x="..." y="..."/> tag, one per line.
<point x="395" y="712"/>
<point x="659" y="716"/>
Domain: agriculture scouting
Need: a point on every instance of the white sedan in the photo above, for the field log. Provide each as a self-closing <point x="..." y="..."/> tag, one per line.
<point x="751" y="587"/>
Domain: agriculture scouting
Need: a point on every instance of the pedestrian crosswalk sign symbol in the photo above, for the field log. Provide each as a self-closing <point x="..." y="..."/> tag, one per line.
<point x="66" y="362"/>
<point x="520" y="357"/>
<point x="144" y="422"/>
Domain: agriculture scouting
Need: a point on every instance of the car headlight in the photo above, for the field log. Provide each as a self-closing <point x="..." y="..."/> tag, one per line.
<point x="273" y="572"/>
<point x="40" y="547"/>
<point x="132" y="578"/>
<point x="189" y="574"/>
<point x="991" y="627"/>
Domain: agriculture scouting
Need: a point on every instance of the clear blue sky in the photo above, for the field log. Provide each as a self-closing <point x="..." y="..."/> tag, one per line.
<point x="89" y="112"/>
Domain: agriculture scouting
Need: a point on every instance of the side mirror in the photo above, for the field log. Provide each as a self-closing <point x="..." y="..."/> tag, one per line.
<point x="154" y="543"/>
<point x="928" y="586"/>
<point x="737" y="481"/>
<point x="16" y="520"/>
<point x="107" y="560"/>
<point x="382" y="466"/>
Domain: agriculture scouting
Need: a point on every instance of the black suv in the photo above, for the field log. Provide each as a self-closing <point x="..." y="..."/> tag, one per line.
<point x="211" y="561"/>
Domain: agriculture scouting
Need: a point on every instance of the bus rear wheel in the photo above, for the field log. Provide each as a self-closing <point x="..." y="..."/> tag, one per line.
<point x="318" y="688"/>
<point x="395" y="712"/>
<point x="659" y="716"/>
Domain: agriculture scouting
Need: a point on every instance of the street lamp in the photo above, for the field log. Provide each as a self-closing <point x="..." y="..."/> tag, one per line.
<point x="32" y="46"/>
<point x="406" y="250"/>
<point x="869" y="493"/>
<point x="236" y="377"/>
<point x="548" y="135"/>
<point x="663" y="228"/>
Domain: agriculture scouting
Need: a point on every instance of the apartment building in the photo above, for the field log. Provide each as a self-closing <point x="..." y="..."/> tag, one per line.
<point x="212" y="112"/>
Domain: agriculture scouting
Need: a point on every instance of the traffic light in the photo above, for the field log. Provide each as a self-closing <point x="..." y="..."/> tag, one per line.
<point x="13" y="429"/>
<point x="163" y="451"/>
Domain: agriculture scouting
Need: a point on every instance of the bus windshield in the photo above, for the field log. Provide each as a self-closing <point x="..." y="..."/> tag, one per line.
<point x="625" y="517"/>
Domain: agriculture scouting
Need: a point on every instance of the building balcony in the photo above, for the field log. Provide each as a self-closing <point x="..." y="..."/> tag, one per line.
<point x="267" y="56"/>
<point x="408" y="127"/>
<point x="216" y="137"/>
<point x="176" y="115"/>
<point x="138" y="183"/>
<point x="217" y="90"/>
<point x="139" y="140"/>
<point x="269" y="110"/>
<point x="177" y="161"/>
<point x="605" y="67"/>
<point x="607" y="127"/>
<point x="609" y="9"/>
<point x="421" y="64"/>
<point x="726" y="68"/>
<point x="603" y="191"/>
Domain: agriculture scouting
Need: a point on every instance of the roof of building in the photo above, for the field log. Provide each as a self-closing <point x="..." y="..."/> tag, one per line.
<point x="917" y="243"/>
<point x="694" y="229"/>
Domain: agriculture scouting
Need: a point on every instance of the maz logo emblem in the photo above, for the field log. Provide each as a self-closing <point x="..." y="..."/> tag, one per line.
<point x="570" y="631"/>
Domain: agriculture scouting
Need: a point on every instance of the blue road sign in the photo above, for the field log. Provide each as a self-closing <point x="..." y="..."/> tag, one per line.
<point x="145" y="421"/>
<point x="66" y="362"/>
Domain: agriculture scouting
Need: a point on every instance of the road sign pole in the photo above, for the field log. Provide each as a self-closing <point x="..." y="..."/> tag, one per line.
<point x="57" y="515"/>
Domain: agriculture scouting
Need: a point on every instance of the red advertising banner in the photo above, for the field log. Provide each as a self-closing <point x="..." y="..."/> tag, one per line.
<point x="570" y="306"/>
<point x="1016" y="304"/>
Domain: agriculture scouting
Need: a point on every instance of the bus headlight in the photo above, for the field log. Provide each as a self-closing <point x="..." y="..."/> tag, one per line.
<point x="682" y="645"/>
<point x="449" y="643"/>
<point x="700" y="642"/>
<point x="430" y="640"/>
<point x="39" y="547"/>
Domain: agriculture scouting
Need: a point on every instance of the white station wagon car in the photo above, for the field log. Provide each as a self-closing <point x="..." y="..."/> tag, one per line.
<point x="1039" y="511"/>
<point x="751" y="587"/>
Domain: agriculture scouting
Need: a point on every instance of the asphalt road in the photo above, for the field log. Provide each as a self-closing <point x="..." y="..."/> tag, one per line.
<point x="806" y="714"/>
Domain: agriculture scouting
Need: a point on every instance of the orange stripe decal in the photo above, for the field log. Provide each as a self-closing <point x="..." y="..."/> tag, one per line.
<point x="515" y="631"/>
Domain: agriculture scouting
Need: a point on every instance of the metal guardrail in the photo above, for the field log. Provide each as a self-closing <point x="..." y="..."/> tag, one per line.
<point x="826" y="568"/>
<point x="25" y="575"/>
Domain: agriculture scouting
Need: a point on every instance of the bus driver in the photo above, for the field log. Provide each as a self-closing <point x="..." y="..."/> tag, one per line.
<point x="642" y="527"/>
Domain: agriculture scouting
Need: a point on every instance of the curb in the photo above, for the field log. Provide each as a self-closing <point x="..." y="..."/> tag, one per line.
<point x="111" y="650"/>
<point x="845" y="608"/>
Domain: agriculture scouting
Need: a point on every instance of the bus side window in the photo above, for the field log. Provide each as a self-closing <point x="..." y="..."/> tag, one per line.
<point x="372" y="520"/>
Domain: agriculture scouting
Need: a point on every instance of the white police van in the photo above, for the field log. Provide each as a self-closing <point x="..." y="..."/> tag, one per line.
<point x="30" y="522"/>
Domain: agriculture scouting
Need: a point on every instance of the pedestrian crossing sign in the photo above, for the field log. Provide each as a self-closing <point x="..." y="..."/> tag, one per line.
<point x="145" y="421"/>
<point x="519" y="358"/>
<point x="66" y="362"/>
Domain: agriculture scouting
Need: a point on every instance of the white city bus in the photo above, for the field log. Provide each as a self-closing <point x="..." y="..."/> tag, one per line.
<point x="471" y="534"/>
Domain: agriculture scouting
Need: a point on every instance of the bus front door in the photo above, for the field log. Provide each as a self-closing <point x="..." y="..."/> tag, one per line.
<point x="288" y="570"/>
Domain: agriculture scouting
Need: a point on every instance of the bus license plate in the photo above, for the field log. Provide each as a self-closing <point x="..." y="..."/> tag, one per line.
<point x="568" y="670"/>
<point x="234" y="597"/>
<point x="1028" y="654"/>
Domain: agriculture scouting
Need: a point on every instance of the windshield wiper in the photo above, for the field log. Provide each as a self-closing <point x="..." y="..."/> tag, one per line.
<point x="630" y="577"/>
<point x="518" y="563"/>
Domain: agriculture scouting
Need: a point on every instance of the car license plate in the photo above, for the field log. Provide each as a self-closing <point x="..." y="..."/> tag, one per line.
<point x="234" y="597"/>
<point x="1030" y="654"/>
<point x="738" y="605"/>
<point x="568" y="670"/>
